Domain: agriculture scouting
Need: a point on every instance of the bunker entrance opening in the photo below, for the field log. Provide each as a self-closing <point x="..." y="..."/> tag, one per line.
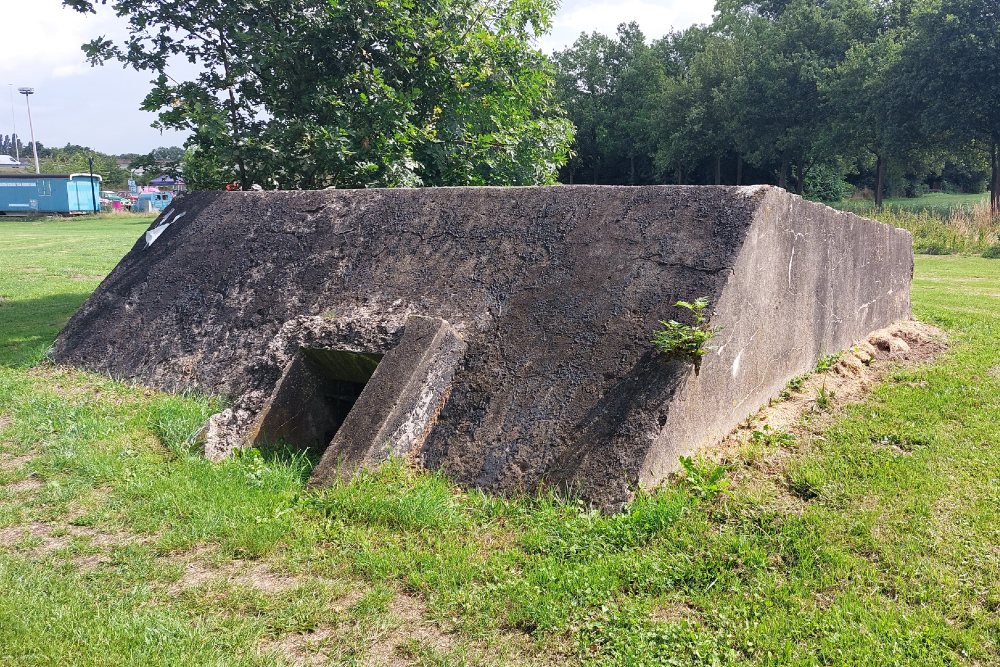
<point x="313" y="397"/>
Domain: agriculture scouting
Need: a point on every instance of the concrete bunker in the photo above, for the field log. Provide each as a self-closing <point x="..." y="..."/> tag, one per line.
<point x="501" y="335"/>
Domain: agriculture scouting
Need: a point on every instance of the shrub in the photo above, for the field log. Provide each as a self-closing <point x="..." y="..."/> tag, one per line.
<point x="932" y="249"/>
<point x="993" y="252"/>
<point x="827" y="184"/>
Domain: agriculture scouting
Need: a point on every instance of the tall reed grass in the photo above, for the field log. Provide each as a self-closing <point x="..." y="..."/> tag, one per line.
<point x="964" y="229"/>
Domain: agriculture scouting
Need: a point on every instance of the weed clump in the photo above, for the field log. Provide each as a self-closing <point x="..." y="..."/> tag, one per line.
<point x="769" y="437"/>
<point x="827" y="361"/>
<point x="704" y="480"/>
<point x="686" y="340"/>
<point x="947" y="231"/>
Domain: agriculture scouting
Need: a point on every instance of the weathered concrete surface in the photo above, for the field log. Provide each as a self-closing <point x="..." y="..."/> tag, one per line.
<point x="554" y="293"/>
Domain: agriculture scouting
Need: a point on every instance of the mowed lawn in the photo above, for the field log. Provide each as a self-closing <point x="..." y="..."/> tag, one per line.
<point x="874" y="542"/>
<point x="940" y="204"/>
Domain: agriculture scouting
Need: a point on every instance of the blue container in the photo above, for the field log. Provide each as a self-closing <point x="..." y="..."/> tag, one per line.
<point x="31" y="194"/>
<point x="150" y="202"/>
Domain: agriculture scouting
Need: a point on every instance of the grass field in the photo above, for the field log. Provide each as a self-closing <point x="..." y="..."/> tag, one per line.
<point x="940" y="204"/>
<point x="120" y="546"/>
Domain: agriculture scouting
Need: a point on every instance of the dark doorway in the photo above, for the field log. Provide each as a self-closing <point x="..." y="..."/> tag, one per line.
<point x="313" y="397"/>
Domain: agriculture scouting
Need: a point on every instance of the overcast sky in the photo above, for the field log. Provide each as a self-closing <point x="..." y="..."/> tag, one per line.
<point x="99" y="107"/>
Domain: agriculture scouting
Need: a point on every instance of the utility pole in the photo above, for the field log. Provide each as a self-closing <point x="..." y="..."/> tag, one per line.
<point x="13" y="122"/>
<point x="34" y="147"/>
<point x="93" y="194"/>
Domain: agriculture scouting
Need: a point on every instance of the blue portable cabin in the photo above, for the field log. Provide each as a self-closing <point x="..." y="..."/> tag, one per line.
<point x="34" y="194"/>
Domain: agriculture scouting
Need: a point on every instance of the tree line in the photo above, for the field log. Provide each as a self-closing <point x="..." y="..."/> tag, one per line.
<point x="75" y="159"/>
<point x="800" y="93"/>
<point x="358" y="93"/>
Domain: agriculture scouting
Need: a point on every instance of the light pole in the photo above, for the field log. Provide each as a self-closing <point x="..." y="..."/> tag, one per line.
<point x="27" y="92"/>
<point x="13" y="122"/>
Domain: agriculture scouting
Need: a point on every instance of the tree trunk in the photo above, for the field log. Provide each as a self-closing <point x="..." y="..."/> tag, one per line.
<point x="800" y="178"/>
<point x="678" y="176"/>
<point x="783" y="175"/>
<point x="595" y="171"/>
<point x="572" y="171"/>
<point x="880" y="168"/>
<point x="995" y="180"/>
<point x="718" y="170"/>
<point x="631" y="170"/>
<point x="233" y="114"/>
<point x="739" y="170"/>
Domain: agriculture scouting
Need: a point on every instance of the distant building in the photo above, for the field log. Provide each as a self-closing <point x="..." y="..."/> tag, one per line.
<point x="168" y="182"/>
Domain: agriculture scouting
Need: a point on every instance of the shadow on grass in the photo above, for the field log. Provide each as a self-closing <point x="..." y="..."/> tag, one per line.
<point x="28" y="326"/>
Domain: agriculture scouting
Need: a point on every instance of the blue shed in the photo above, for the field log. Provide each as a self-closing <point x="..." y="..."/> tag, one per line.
<point x="28" y="194"/>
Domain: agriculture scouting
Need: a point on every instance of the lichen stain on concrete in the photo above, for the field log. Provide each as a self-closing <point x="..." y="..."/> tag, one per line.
<point x="513" y="324"/>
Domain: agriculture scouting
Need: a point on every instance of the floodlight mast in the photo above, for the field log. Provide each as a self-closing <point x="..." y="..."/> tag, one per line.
<point x="27" y="92"/>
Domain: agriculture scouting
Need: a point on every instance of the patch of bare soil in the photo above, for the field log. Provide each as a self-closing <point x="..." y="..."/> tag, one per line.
<point x="43" y="538"/>
<point x="806" y="411"/>
<point x="38" y="539"/>
<point x="305" y="649"/>
<point x="994" y="372"/>
<point x="8" y="464"/>
<point x="198" y="571"/>
<point x="676" y="612"/>
<point x="5" y="420"/>
<point x="24" y="486"/>
<point x="409" y="615"/>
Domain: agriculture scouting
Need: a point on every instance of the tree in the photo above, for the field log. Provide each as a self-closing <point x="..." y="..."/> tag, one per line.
<point x="612" y="87"/>
<point x="585" y="85"/>
<point x="74" y="159"/>
<point x="314" y="93"/>
<point x="953" y="60"/>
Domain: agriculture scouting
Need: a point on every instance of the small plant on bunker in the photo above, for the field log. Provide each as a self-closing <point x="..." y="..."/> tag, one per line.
<point x="686" y="340"/>
<point x="705" y="480"/>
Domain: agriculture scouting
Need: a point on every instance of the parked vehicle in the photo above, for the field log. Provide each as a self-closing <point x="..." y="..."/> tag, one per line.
<point x="33" y="194"/>
<point x="149" y="202"/>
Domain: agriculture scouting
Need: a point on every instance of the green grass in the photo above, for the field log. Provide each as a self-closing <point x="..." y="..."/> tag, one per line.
<point x="940" y="204"/>
<point x="849" y="553"/>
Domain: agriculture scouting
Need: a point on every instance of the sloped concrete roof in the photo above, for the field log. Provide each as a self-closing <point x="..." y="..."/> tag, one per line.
<point x="537" y="307"/>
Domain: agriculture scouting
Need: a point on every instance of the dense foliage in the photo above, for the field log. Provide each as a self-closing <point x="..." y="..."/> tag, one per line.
<point x="319" y="93"/>
<point x="802" y="93"/>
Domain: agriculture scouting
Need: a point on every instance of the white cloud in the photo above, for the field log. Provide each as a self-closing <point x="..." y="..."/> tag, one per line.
<point x="48" y="36"/>
<point x="655" y="17"/>
<point x="73" y="102"/>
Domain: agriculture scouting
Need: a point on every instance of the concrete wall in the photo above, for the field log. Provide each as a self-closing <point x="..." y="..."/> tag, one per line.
<point x="554" y="292"/>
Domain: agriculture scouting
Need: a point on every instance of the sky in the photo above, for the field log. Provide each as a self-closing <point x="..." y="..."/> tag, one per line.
<point x="99" y="107"/>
